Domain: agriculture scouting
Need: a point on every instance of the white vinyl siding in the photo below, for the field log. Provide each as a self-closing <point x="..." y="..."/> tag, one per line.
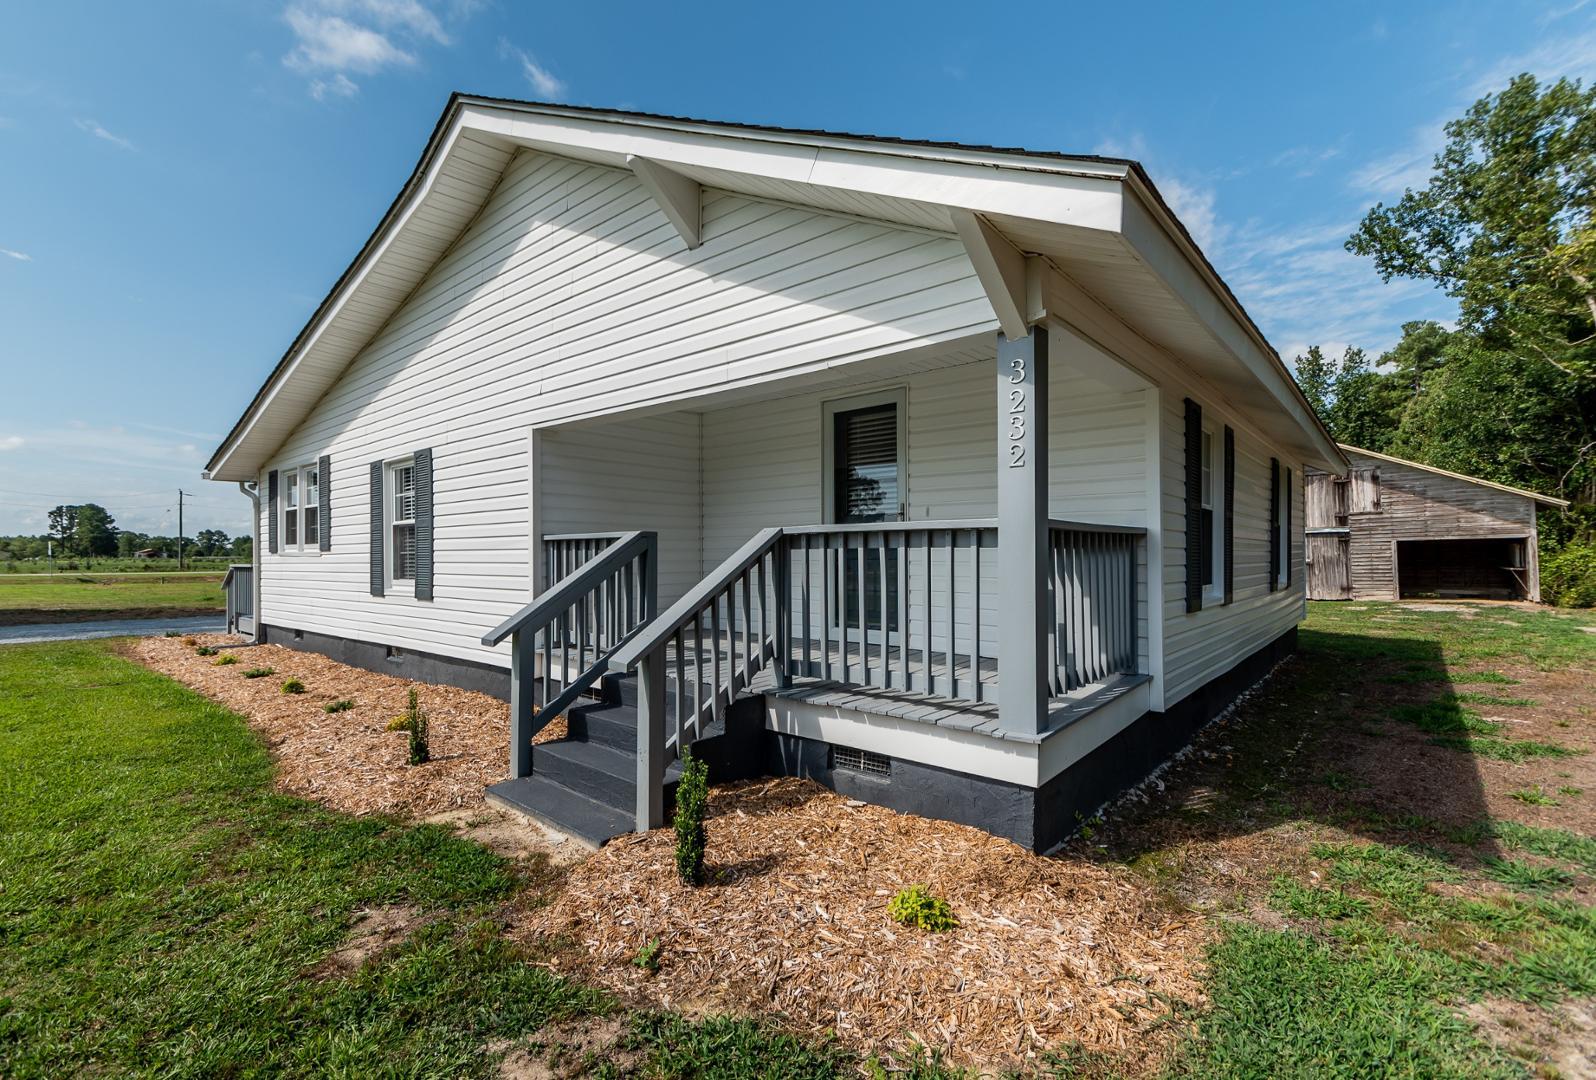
<point x="570" y="296"/>
<point x="1203" y="645"/>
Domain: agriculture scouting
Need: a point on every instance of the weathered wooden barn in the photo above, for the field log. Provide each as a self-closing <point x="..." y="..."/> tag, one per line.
<point x="1392" y="529"/>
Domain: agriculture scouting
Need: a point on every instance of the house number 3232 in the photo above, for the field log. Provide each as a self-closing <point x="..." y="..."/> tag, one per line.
<point x="1019" y="407"/>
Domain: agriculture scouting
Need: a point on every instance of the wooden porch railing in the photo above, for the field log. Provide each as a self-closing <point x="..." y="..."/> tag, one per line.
<point x="238" y="584"/>
<point x="565" y="553"/>
<point x="592" y="609"/>
<point x="891" y="606"/>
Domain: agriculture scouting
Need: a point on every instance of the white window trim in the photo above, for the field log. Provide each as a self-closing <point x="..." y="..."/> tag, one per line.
<point x="898" y="396"/>
<point x="1215" y="590"/>
<point x="393" y="585"/>
<point x="300" y="548"/>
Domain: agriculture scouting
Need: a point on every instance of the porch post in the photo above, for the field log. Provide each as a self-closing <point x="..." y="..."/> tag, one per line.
<point x="523" y="684"/>
<point x="1022" y="531"/>
<point x="651" y="741"/>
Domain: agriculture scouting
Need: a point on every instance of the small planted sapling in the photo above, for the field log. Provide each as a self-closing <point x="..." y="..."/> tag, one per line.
<point x="692" y="799"/>
<point x="293" y="686"/>
<point x="420" y="752"/>
<point x="915" y="906"/>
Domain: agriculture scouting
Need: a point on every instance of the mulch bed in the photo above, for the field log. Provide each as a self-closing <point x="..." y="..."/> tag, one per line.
<point x="349" y="760"/>
<point x="1048" y="952"/>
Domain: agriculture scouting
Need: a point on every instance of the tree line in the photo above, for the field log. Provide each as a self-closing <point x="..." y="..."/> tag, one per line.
<point x="1505" y="228"/>
<point x="88" y="530"/>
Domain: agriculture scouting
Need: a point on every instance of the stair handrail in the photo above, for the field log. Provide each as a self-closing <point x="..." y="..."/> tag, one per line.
<point x="646" y="652"/>
<point x="634" y="605"/>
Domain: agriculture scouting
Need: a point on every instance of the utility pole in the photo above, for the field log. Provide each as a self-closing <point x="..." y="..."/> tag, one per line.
<point x="179" y="529"/>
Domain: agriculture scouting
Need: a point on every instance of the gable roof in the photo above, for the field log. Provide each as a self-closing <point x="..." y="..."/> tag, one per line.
<point x="1100" y="220"/>
<point x="1546" y="500"/>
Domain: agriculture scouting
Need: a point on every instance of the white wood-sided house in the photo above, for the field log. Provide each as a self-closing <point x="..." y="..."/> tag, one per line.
<point x="953" y="477"/>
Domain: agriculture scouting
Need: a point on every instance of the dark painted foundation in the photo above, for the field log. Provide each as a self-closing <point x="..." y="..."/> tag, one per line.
<point x="422" y="667"/>
<point x="1041" y="818"/>
<point x="1038" y="819"/>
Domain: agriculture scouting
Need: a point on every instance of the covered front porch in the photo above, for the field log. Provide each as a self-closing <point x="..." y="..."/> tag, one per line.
<point x="889" y="545"/>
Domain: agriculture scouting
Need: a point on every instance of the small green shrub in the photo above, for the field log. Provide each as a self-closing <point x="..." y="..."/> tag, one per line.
<point x="915" y="906"/>
<point x="692" y="799"/>
<point x="204" y="650"/>
<point x="399" y="723"/>
<point x="1568" y="576"/>
<point x="647" y="957"/>
<point x="293" y="686"/>
<point x="173" y="633"/>
<point x="420" y="752"/>
<point x="225" y="659"/>
<point x="259" y="672"/>
<point x="341" y="705"/>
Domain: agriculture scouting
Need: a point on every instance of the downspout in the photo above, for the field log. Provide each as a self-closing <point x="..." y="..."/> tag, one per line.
<point x="253" y="491"/>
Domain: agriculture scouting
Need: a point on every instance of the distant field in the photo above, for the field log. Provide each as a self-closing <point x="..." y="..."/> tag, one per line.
<point x="76" y="597"/>
<point x="211" y="564"/>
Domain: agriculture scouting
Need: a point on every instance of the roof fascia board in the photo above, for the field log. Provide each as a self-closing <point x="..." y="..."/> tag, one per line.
<point x="328" y="314"/>
<point x="1153" y="233"/>
<point x="1066" y="196"/>
<point x="1548" y="500"/>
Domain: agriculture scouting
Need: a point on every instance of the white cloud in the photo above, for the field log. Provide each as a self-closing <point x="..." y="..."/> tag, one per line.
<point x="331" y="43"/>
<point x="11" y="442"/>
<point x="334" y="39"/>
<point x="93" y="128"/>
<point x="544" y="83"/>
<point x="340" y="85"/>
<point x="20" y="256"/>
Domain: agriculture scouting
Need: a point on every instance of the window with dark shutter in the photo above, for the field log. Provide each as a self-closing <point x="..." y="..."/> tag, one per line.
<point x="1230" y="514"/>
<point x="378" y="478"/>
<point x="1274" y="524"/>
<point x="271" y="511"/>
<point x="421" y="463"/>
<point x="324" y="494"/>
<point x="1195" y="545"/>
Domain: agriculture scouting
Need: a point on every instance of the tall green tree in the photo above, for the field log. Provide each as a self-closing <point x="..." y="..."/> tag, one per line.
<point x="1505" y="224"/>
<point x="88" y="529"/>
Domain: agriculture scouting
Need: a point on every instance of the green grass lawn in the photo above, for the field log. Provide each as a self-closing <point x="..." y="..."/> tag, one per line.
<point x="164" y="912"/>
<point x="26" y="598"/>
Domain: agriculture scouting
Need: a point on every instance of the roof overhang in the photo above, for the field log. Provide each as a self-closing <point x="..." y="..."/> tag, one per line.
<point x="1099" y="221"/>
<point x="1544" y="500"/>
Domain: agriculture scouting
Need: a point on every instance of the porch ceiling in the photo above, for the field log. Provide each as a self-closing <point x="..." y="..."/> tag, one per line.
<point x="1098" y="220"/>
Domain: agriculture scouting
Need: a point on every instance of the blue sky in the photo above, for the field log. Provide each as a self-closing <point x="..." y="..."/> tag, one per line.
<point x="180" y="183"/>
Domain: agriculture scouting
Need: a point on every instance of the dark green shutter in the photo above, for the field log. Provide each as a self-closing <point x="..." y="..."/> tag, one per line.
<point x="324" y="511"/>
<point x="1194" y="506"/>
<point x="423" y="480"/>
<point x="1230" y="514"/>
<point x="271" y="511"/>
<point x="1274" y="524"/>
<point x="1286" y="540"/>
<point x="377" y="579"/>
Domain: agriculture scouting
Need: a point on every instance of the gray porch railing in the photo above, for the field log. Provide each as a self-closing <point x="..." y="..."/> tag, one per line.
<point x="891" y="606"/>
<point x="592" y="609"/>
<point x="1094" y="629"/>
<point x="238" y="584"/>
<point x="564" y="553"/>
<point x="895" y="605"/>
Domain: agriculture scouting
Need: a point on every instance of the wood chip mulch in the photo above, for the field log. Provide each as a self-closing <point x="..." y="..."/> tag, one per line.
<point x="1048" y="952"/>
<point x="348" y="760"/>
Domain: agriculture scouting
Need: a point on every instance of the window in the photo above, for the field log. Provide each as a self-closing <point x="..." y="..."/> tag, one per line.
<point x="301" y="510"/>
<point x="402" y="521"/>
<point x="1209" y="501"/>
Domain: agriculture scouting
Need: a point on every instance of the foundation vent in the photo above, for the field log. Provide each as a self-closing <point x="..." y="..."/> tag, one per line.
<point x="860" y="761"/>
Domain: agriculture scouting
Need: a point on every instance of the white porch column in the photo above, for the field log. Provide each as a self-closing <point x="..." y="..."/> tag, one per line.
<point x="1022" y="531"/>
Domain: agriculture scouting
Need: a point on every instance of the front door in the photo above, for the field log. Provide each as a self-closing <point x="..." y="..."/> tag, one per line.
<point x="867" y="485"/>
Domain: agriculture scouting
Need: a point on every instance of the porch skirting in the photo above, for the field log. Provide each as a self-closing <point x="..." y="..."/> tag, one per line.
<point x="422" y="667"/>
<point x="1037" y="818"/>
